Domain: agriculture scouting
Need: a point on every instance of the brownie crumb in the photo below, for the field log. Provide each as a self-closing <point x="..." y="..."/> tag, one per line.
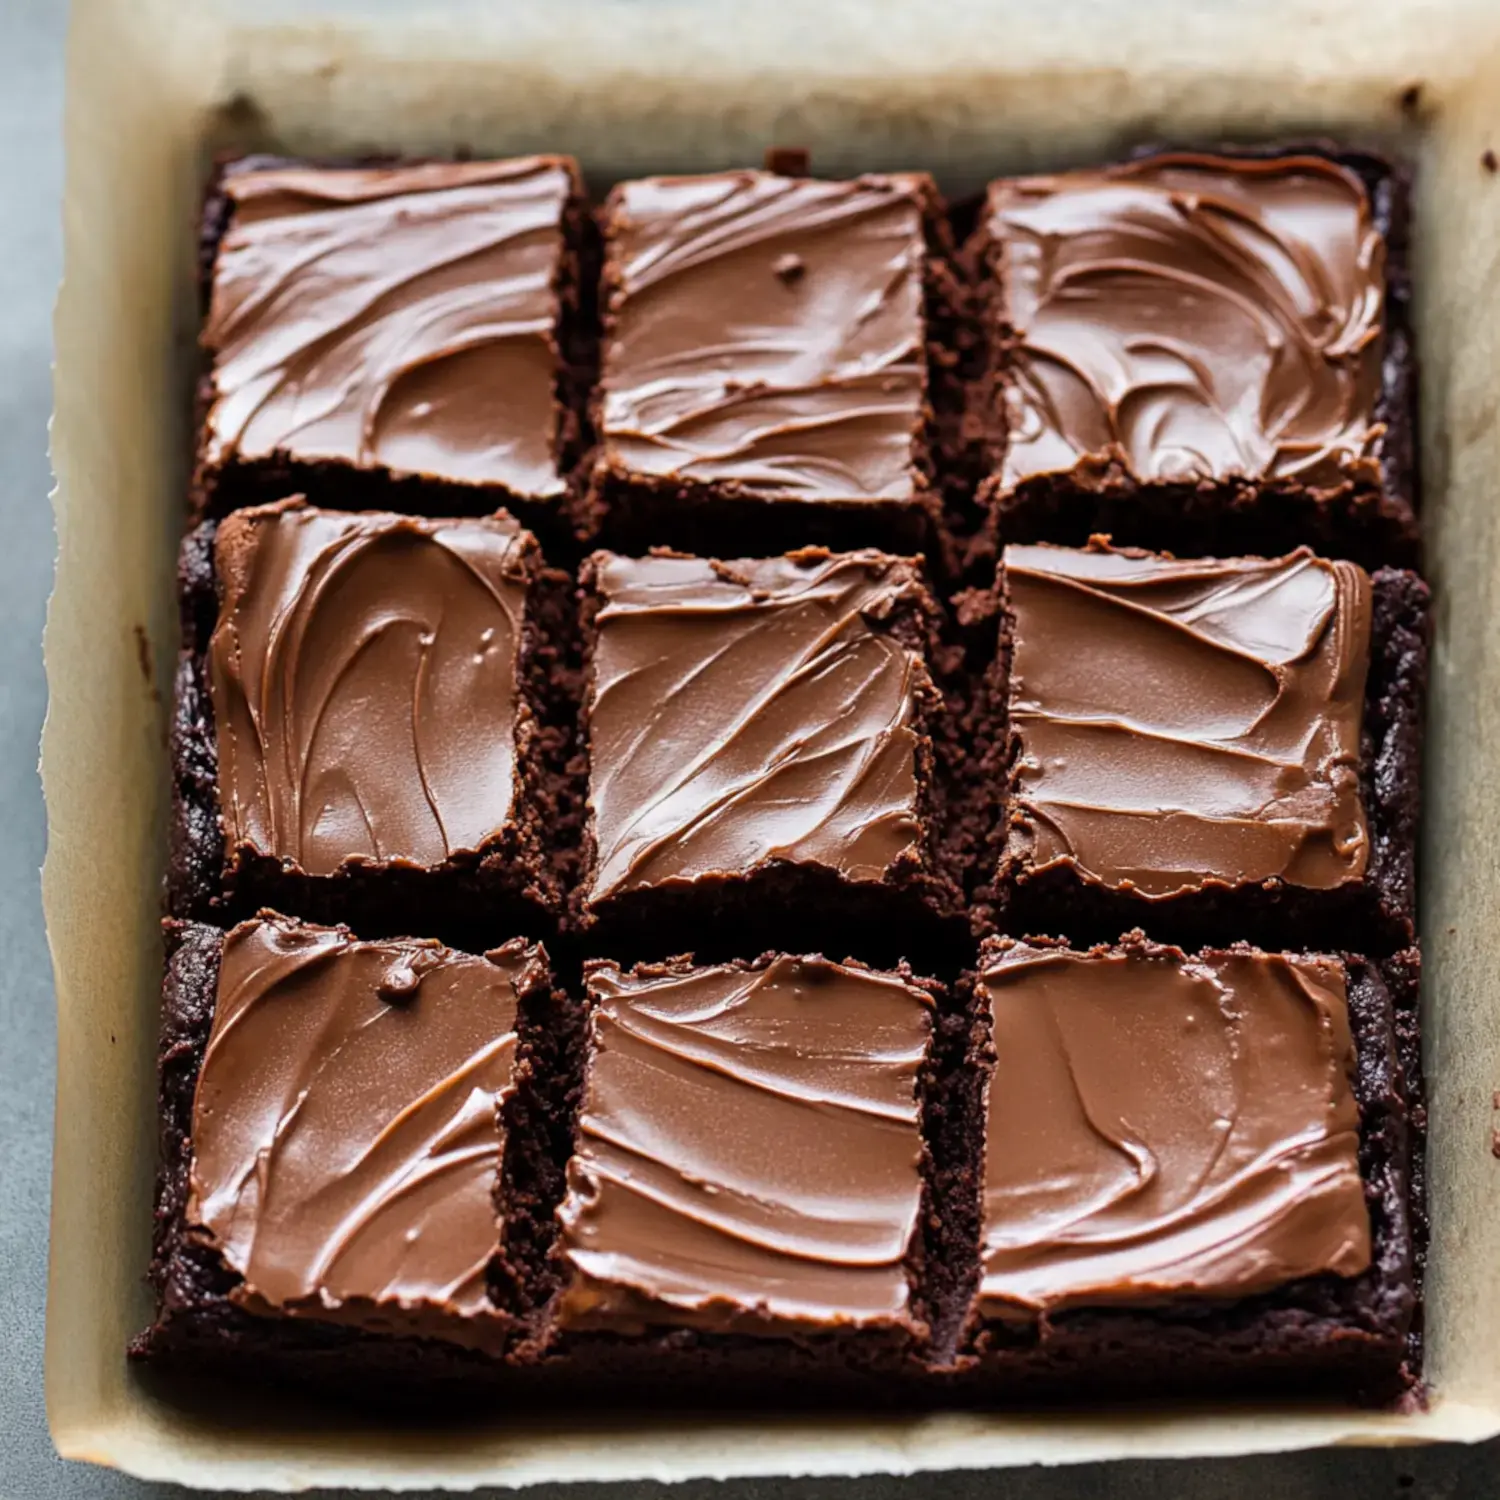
<point x="1488" y="162"/>
<point x="789" y="161"/>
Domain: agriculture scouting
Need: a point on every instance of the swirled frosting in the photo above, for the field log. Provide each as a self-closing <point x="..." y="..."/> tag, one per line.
<point x="401" y="318"/>
<point x="748" y="1155"/>
<point x="1192" y="318"/>
<point x="767" y="333"/>
<point x="1159" y="1126"/>
<point x="346" y="1131"/>
<point x="748" y="711"/>
<point x="363" y="673"/>
<point x="1185" y="722"/>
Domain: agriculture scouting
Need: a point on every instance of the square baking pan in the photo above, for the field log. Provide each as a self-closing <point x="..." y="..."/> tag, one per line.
<point x="967" y="91"/>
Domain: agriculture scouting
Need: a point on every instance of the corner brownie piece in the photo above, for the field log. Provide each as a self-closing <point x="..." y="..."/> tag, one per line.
<point x="1193" y="1176"/>
<point x="766" y="380"/>
<point x="1202" y="353"/>
<point x="372" y="724"/>
<point x="760" y="756"/>
<point x="342" y="1176"/>
<point x="399" y="334"/>
<point x="1211" y="749"/>
<point x="749" y="1188"/>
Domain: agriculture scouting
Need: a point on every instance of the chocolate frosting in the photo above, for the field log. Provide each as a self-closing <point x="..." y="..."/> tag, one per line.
<point x="744" y="712"/>
<point x="1181" y="723"/>
<point x="346" y="1130"/>
<point x="363" y="673"/>
<point x="767" y="332"/>
<point x="1193" y="317"/>
<point x="748" y="1156"/>
<point x="401" y="318"/>
<point x="1161" y="1127"/>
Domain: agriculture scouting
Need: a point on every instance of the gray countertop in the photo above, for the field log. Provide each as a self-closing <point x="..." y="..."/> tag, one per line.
<point x="31" y="46"/>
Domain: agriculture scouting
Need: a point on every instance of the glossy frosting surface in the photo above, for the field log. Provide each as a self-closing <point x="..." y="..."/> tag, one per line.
<point x="748" y="1156"/>
<point x="363" y="673"/>
<point x="1186" y="722"/>
<point x="1192" y="317"/>
<point x="392" y="317"/>
<point x="346" y="1135"/>
<point x="1161" y="1126"/>
<point x="767" y="332"/>
<point x="749" y="711"/>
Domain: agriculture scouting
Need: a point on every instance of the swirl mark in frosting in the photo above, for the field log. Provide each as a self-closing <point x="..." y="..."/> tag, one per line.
<point x="1193" y="318"/>
<point x="748" y="711"/>
<point x="397" y="317"/>
<point x="363" y="673"/>
<point x="748" y="1154"/>
<point x="1161" y="1126"/>
<point x="1178" y="723"/>
<point x="346" y="1147"/>
<point x="723" y="365"/>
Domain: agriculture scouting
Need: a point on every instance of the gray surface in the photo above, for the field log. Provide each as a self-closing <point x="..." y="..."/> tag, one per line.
<point x="31" y="33"/>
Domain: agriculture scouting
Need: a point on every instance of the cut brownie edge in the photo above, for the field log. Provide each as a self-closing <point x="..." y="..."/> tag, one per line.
<point x="1402" y="975"/>
<point x="218" y="489"/>
<point x="1324" y="1334"/>
<point x="199" y="1328"/>
<point x="699" y="1368"/>
<point x="514" y="883"/>
<point x="1375" y="914"/>
<point x="915" y="912"/>
<point x="631" y="512"/>
<point x="1372" y="524"/>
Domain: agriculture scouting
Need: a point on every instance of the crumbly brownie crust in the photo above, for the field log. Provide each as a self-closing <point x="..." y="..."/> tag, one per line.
<point x="1374" y="914"/>
<point x="1325" y="1334"/>
<point x="514" y="884"/>
<point x="632" y="512"/>
<point x="221" y="486"/>
<point x="720" y="1360"/>
<point x="1371" y="523"/>
<point x="910" y="912"/>
<point x="199" y="1327"/>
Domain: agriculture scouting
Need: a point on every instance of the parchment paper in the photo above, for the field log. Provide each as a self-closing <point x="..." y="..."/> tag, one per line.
<point x="965" y="89"/>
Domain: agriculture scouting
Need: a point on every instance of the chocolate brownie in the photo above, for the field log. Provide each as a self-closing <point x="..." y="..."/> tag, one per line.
<point x="373" y="722"/>
<point x="749" y="1191"/>
<point x="777" y="364"/>
<point x="1213" y="749"/>
<point x="1193" y="1175"/>
<point x="1201" y="353"/>
<point x="399" y="334"/>
<point x="761" y="758"/>
<point x="352" y="1174"/>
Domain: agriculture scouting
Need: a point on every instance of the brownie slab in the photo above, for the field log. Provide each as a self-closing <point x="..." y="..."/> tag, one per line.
<point x="371" y="722"/>
<point x="765" y="375"/>
<point x="749" y="1187"/>
<point x="1194" y="1175"/>
<point x="400" y="334"/>
<point x="1202" y="353"/>
<point x="340" y="1168"/>
<point x="1211" y="749"/>
<point x="760" y="756"/>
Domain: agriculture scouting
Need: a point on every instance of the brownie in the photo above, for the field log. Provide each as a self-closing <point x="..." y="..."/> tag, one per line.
<point x="1193" y="1176"/>
<point x="1211" y="749"/>
<point x="373" y="721"/>
<point x="762" y="767"/>
<point x="395" y="334"/>
<point x="778" y="364"/>
<point x="352" y="1179"/>
<point x="749" y="1190"/>
<point x="1201" y="353"/>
